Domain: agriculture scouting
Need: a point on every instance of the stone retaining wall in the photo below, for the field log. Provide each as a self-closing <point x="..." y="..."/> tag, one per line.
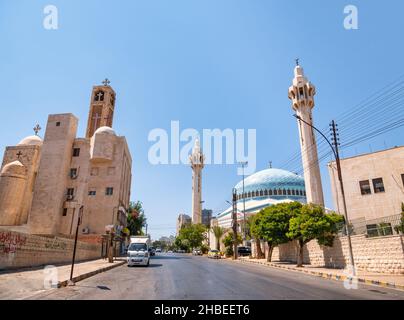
<point x="19" y="250"/>
<point x="381" y="254"/>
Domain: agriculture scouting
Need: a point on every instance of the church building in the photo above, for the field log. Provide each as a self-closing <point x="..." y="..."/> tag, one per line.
<point x="45" y="184"/>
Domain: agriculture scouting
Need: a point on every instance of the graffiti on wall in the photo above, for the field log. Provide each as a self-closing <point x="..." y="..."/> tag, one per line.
<point x="9" y="242"/>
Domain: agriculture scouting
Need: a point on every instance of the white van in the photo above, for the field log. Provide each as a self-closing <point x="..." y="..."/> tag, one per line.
<point x="138" y="251"/>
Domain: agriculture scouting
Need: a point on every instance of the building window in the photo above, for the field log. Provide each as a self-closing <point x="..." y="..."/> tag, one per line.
<point x="365" y="187"/>
<point x="402" y="178"/>
<point x="378" y="185"/>
<point x="58" y="124"/>
<point x="92" y="193"/>
<point x="76" y="152"/>
<point x="109" y="191"/>
<point x="64" y="212"/>
<point x="70" y="194"/>
<point x="73" y="173"/>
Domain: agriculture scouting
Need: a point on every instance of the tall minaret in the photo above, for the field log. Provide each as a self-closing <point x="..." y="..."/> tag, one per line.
<point x="302" y="95"/>
<point x="101" y="108"/>
<point x="197" y="160"/>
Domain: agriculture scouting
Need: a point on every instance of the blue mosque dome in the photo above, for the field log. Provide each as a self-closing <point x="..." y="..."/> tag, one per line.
<point x="272" y="183"/>
<point x="263" y="189"/>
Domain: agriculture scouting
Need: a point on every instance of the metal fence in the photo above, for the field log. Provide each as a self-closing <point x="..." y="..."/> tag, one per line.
<point x="381" y="227"/>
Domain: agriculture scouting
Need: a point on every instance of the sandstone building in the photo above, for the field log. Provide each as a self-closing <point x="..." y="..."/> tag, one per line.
<point x="373" y="183"/>
<point x="44" y="183"/>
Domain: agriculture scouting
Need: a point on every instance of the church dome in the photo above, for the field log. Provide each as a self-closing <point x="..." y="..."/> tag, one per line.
<point x="105" y="130"/>
<point x="31" y="141"/>
<point x="14" y="168"/>
<point x="272" y="182"/>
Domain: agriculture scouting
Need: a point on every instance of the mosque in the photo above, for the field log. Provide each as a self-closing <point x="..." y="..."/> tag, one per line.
<point x="263" y="189"/>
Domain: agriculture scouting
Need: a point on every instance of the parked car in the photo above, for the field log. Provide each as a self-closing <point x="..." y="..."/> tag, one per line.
<point x="158" y="250"/>
<point x="169" y="251"/>
<point x="197" y="252"/>
<point x="244" y="251"/>
<point x="181" y="251"/>
<point x="152" y="251"/>
<point x="214" y="254"/>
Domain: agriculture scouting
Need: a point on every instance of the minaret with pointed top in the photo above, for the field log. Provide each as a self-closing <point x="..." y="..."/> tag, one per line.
<point x="302" y="95"/>
<point x="197" y="160"/>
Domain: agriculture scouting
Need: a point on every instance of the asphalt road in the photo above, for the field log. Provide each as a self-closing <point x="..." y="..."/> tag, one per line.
<point x="184" y="277"/>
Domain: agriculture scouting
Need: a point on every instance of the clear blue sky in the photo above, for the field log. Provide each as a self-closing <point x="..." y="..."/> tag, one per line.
<point x="209" y="64"/>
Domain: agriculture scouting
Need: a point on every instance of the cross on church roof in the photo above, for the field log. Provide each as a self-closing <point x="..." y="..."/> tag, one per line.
<point x="297" y="61"/>
<point x="19" y="154"/>
<point x="106" y="82"/>
<point x="36" y="129"/>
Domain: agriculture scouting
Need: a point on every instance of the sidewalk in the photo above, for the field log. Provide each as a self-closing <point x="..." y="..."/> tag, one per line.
<point x="371" y="278"/>
<point x="21" y="284"/>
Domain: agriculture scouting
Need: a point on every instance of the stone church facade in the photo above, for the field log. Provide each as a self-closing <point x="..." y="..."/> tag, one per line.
<point x="46" y="183"/>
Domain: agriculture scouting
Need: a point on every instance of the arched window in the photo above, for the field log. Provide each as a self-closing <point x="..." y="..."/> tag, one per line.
<point x="249" y="194"/>
<point x="284" y="192"/>
<point x="253" y="194"/>
<point x="99" y="96"/>
<point x="289" y="193"/>
<point x="261" y="193"/>
<point x="275" y="192"/>
<point x="270" y="192"/>
<point x="293" y="192"/>
<point x="304" y="192"/>
<point x="265" y="192"/>
<point x="301" y="192"/>
<point x="279" y="192"/>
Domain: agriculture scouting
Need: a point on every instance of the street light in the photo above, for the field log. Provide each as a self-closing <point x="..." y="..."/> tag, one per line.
<point x="243" y="164"/>
<point x="337" y="160"/>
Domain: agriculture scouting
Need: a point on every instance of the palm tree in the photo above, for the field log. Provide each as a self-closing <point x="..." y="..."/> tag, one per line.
<point x="218" y="232"/>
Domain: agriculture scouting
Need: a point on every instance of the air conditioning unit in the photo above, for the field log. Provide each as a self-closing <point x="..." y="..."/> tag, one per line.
<point x="73" y="176"/>
<point x="69" y="197"/>
<point x="86" y="231"/>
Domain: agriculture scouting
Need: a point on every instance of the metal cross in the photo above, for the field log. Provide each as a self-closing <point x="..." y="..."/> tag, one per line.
<point x="37" y="128"/>
<point x="297" y="61"/>
<point x="19" y="154"/>
<point x="106" y="82"/>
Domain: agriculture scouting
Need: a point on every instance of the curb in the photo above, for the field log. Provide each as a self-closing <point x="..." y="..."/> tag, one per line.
<point x="83" y="276"/>
<point x="329" y="276"/>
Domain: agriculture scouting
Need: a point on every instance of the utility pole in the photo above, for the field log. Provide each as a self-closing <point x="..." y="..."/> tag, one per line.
<point x="336" y="144"/>
<point x="243" y="164"/>
<point x="71" y="283"/>
<point x="234" y="216"/>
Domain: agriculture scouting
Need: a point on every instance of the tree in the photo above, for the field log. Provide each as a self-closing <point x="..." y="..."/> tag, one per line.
<point x="218" y="232"/>
<point x="193" y="234"/>
<point x="228" y="242"/>
<point x="400" y="227"/>
<point x="313" y="223"/>
<point x="272" y="224"/>
<point x="252" y="223"/>
<point x="136" y="220"/>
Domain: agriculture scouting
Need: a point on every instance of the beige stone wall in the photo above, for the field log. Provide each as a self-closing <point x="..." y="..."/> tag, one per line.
<point x="381" y="254"/>
<point x="387" y="164"/>
<point x="19" y="250"/>
<point x="30" y="159"/>
<point x="50" y="186"/>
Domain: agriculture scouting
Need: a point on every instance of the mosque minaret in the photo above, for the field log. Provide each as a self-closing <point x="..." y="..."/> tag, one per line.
<point x="197" y="160"/>
<point x="302" y="95"/>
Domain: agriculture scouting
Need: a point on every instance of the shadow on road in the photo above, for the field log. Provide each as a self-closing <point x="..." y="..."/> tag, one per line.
<point x="170" y="257"/>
